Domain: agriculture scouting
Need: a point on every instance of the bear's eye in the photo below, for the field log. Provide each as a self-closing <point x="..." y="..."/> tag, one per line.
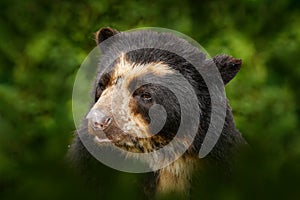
<point x="101" y="86"/>
<point x="99" y="91"/>
<point x="103" y="82"/>
<point x="146" y="97"/>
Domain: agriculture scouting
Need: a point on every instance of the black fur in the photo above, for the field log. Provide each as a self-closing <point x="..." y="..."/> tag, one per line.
<point x="230" y="139"/>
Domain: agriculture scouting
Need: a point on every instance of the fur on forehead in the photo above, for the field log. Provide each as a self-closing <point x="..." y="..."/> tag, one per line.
<point x="129" y="71"/>
<point x="115" y="46"/>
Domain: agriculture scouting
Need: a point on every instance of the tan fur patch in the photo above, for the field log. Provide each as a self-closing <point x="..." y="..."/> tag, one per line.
<point x="129" y="71"/>
<point x="176" y="177"/>
<point x="116" y="98"/>
<point x="126" y="71"/>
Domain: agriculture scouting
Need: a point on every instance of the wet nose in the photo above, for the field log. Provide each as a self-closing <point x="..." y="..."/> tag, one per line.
<point x="99" y="120"/>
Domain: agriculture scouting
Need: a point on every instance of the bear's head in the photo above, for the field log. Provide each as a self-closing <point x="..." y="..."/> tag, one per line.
<point x="146" y="98"/>
<point x="135" y="111"/>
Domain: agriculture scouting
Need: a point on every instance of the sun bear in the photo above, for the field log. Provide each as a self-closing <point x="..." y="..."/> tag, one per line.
<point x="125" y="123"/>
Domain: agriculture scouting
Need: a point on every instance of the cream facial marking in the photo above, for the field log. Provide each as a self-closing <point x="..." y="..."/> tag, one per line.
<point x="124" y="72"/>
<point x="129" y="71"/>
<point x="115" y="99"/>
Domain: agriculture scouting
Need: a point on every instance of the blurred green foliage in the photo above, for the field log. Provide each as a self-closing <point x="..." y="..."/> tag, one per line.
<point x="43" y="43"/>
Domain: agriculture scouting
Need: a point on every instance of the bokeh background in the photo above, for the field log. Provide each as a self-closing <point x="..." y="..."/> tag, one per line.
<point x="43" y="43"/>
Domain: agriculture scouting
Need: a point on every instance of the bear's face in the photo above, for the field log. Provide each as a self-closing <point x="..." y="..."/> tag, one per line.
<point x="123" y="103"/>
<point x="139" y="115"/>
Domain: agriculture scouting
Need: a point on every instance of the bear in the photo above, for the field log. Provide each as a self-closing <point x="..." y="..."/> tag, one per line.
<point x="126" y="123"/>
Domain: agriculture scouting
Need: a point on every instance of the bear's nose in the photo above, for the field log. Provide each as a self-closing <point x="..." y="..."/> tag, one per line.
<point x="99" y="120"/>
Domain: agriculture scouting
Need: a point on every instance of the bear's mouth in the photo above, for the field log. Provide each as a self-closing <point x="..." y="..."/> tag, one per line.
<point x="129" y="142"/>
<point x="99" y="140"/>
<point x="126" y="141"/>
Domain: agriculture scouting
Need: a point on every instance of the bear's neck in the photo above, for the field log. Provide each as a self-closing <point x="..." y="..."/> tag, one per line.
<point x="176" y="177"/>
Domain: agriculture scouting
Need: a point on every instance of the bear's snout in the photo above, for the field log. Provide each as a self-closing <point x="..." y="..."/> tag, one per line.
<point x="99" y="119"/>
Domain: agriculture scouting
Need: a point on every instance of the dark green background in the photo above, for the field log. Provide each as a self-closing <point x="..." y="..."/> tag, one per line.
<point x="43" y="43"/>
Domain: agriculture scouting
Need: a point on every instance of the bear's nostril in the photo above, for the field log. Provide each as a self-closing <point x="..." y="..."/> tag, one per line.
<point x="108" y="121"/>
<point x="98" y="119"/>
<point x="103" y="123"/>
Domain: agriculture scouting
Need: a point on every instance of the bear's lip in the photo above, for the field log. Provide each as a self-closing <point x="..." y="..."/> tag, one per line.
<point x="101" y="140"/>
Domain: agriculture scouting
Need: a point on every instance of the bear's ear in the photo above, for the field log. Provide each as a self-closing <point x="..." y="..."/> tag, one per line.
<point x="105" y="33"/>
<point x="228" y="66"/>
